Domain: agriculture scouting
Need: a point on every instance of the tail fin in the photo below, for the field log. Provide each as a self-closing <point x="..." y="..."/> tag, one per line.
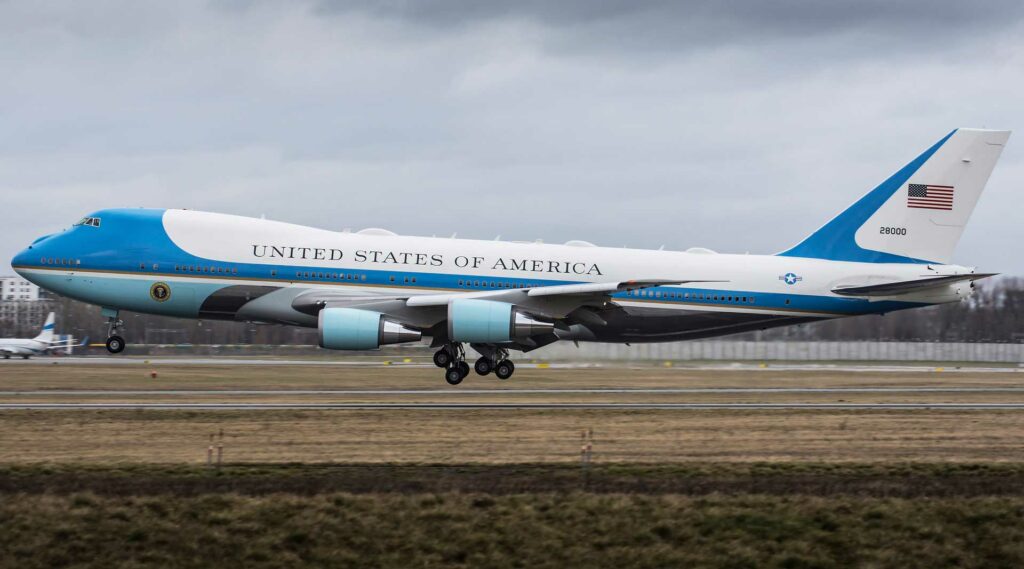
<point x="46" y="335"/>
<point x="919" y="213"/>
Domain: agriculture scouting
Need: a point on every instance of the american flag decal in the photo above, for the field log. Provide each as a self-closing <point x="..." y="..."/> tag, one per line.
<point x="930" y="196"/>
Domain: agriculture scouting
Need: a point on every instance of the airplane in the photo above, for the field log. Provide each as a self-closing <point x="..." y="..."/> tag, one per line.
<point x="890" y="250"/>
<point x="27" y="348"/>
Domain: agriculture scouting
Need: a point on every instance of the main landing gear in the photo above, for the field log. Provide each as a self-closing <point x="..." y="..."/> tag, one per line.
<point x="115" y="343"/>
<point x="494" y="360"/>
<point x="452" y="357"/>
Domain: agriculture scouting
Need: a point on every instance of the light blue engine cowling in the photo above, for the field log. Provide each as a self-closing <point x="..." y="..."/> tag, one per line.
<point x="489" y="322"/>
<point x="354" y="329"/>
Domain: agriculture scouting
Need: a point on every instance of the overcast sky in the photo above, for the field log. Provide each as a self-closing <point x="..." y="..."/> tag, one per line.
<point x="738" y="126"/>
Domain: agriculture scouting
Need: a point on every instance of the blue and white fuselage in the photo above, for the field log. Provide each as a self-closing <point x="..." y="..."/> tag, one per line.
<point x="877" y="256"/>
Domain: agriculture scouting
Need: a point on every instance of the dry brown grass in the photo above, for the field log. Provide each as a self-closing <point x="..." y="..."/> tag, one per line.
<point x="502" y="436"/>
<point x="510" y="436"/>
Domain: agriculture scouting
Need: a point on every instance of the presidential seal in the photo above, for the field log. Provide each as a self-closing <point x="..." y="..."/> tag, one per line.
<point x="160" y="292"/>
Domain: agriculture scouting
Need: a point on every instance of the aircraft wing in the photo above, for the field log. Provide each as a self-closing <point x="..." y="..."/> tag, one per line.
<point x="908" y="287"/>
<point x="554" y="301"/>
<point x="570" y="290"/>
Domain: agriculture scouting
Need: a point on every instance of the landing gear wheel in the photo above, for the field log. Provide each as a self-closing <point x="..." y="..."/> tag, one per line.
<point x="463" y="369"/>
<point x="483" y="366"/>
<point x="115" y="344"/>
<point x="454" y="375"/>
<point x="442" y="358"/>
<point x="504" y="369"/>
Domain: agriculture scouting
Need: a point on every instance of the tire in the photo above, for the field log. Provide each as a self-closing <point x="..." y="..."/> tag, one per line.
<point x="504" y="370"/>
<point x="483" y="366"/>
<point x="453" y="375"/>
<point x="463" y="369"/>
<point x="115" y="344"/>
<point x="442" y="358"/>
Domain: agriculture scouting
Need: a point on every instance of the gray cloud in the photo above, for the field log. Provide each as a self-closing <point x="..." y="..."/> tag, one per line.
<point x="671" y="26"/>
<point x="737" y="126"/>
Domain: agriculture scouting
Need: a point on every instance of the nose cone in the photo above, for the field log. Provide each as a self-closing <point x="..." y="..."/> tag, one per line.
<point x="22" y="260"/>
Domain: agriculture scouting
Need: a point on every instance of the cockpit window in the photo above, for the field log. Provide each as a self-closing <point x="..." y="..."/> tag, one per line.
<point x="93" y="221"/>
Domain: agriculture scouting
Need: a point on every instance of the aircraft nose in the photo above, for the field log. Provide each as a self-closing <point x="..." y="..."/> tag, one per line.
<point x="29" y="256"/>
<point x="22" y="259"/>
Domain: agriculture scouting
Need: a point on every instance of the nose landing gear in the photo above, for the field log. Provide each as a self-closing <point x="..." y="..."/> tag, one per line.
<point x="115" y="343"/>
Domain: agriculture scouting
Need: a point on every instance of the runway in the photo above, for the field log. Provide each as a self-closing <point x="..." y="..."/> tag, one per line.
<point x="424" y="363"/>
<point x="512" y="391"/>
<point x="510" y="406"/>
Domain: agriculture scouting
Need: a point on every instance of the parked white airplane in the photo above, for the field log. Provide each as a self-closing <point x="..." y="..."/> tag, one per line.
<point x="27" y="348"/>
<point x="888" y="251"/>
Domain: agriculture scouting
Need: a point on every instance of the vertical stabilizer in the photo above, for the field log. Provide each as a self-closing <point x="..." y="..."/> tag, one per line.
<point x="919" y="213"/>
<point x="46" y="335"/>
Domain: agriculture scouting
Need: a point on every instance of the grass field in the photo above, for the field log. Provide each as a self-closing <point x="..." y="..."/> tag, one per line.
<point x="443" y="488"/>
<point x="514" y="436"/>
<point x="521" y="516"/>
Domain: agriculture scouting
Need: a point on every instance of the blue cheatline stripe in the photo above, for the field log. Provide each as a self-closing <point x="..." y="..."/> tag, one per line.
<point x="443" y="283"/>
<point x="835" y="240"/>
<point x="102" y="249"/>
<point x="48" y="327"/>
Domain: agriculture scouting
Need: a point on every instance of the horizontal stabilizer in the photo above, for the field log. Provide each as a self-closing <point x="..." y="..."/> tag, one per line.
<point x="907" y="287"/>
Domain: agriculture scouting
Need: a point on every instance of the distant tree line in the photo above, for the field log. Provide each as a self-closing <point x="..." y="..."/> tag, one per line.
<point x="995" y="313"/>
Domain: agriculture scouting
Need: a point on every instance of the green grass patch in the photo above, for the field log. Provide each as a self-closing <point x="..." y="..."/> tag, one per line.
<point x="519" y="515"/>
<point x="516" y="530"/>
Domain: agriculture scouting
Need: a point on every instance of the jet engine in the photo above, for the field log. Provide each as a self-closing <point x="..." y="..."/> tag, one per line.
<point x="355" y="329"/>
<point x="490" y="322"/>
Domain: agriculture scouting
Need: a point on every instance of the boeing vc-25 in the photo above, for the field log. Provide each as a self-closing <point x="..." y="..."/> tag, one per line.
<point x="890" y="250"/>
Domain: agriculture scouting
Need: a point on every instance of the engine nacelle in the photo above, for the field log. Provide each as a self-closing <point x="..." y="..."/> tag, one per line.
<point x="354" y="329"/>
<point x="489" y="322"/>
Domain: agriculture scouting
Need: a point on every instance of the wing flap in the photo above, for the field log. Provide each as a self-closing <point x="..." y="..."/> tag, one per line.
<point x="585" y="289"/>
